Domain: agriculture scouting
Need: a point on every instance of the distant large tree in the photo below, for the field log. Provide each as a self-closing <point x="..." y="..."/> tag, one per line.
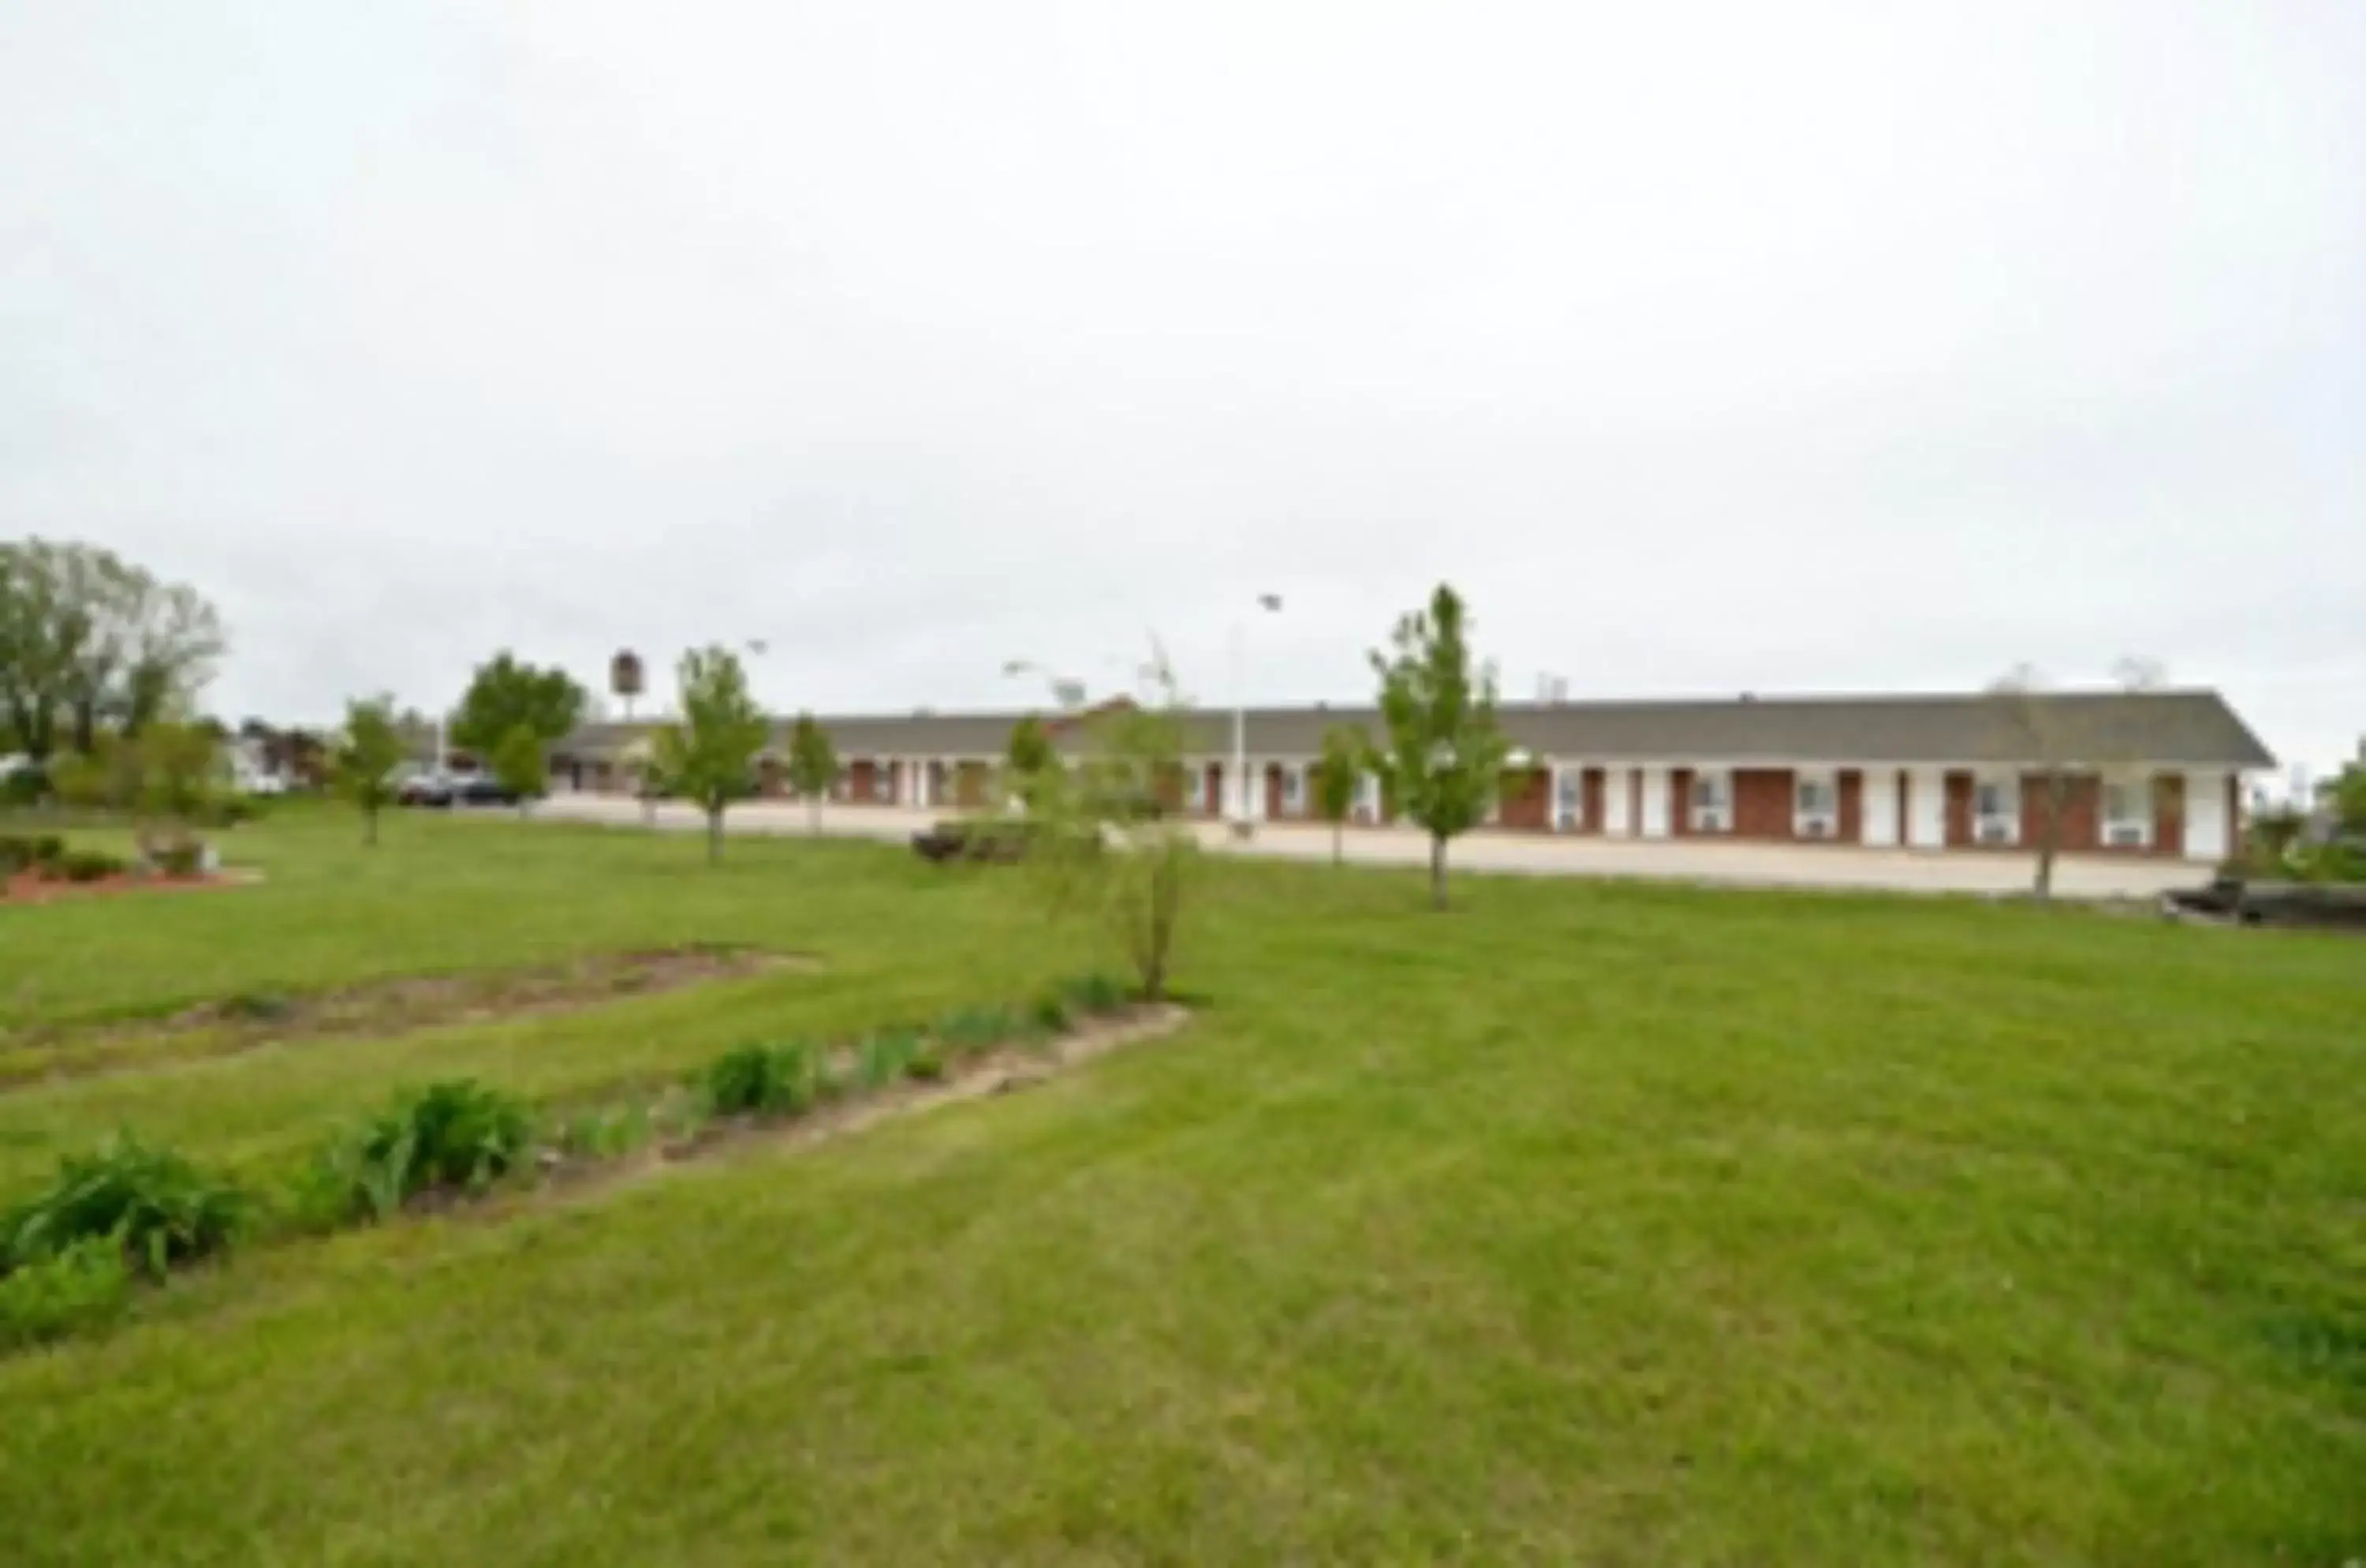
<point x="1346" y="750"/>
<point x="1443" y="754"/>
<point x="522" y="763"/>
<point x="813" y="764"/>
<point x="89" y="641"/>
<point x="505" y="694"/>
<point x="708" y="756"/>
<point x="365" y="758"/>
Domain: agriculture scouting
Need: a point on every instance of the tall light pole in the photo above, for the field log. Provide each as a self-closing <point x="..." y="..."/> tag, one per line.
<point x="1271" y="605"/>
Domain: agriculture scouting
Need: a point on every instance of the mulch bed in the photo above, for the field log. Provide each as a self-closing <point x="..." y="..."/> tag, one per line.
<point x="27" y="887"/>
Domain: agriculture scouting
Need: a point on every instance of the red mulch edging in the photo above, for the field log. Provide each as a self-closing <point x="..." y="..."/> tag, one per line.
<point x="26" y="888"/>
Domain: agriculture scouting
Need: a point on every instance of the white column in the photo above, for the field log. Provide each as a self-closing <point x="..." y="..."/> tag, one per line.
<point x="1877" y="807"/>
<point x="1926" y="808"/>
<point x="2209" y="836"/>
<point x="1655" y="823"/>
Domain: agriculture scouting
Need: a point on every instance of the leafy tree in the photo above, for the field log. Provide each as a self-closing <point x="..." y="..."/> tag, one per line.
<point x="1337" y="773"/>
<point x="1102" y="836"/>
<point x="88" y="640"/>
<point x="1028" y="761"/>
<point x="708" y="756"/>
<point x="813" y="764"/>
<point x="1444" y="754"/>
<point x="2347" y="796"/>
<point x="364" y="757"/>
<point x="505" y="694"/>
<point x="522" y="763"/>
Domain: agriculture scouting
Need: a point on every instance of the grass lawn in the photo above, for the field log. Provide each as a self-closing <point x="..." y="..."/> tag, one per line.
<point x="1590" y="1223"/>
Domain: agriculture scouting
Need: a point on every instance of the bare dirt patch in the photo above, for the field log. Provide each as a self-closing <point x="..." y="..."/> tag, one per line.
<point x="1003" y="1070"/>
<point x="373" y="1009"/>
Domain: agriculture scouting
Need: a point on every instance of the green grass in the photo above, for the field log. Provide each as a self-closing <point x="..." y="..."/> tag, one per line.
<point x="1587" y="1224"/>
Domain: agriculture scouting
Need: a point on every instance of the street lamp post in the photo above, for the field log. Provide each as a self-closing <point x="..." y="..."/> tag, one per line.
<point x="1271" y="605"/>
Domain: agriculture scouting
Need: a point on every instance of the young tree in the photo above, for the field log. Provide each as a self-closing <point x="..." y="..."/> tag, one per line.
<point x="1028" y="761"/>
<point x="365" y="758"/>
<point x="522" y="763"/>
<point x="708" y="756"/>
<point x="1102" y="832"/>
<point x="506" y="694"/>
<point x="813" y="764"/>
<point x="1444" y="754"/>
<point x="180" y="769"/>
<point x="1337" y="773"/>
<point x="2057" y="739"/>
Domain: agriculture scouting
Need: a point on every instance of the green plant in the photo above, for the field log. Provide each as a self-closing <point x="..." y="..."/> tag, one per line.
<point x="80" y="1286"/>
<point x="1050" y="1013"/>
<point x="1095" y="993"/>
<point x="762" y="1080"/>
<point x="927" y="1063"/>
<point x="89" y="865"/>
<point x="15" y="855"/>
<point x="883" y="1057"/>
<point x="973" y="1030"/>
<point x="158" y="1208"/>
<point x="457" y="1134"/>
<point x="609" y="1134"/>
<point x="48" y="851"/>
<point x="182" y="859"/>
<point x="257" y="1007"/>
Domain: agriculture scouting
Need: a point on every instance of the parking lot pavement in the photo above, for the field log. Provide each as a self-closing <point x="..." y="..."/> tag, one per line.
<point x="1734" y="865"/>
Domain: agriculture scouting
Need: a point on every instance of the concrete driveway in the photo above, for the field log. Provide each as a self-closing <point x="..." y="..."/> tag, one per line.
<point x="1734" y="864"/>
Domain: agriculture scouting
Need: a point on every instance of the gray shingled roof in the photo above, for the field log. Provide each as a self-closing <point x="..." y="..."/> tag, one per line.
<point x="2185" y="729"/>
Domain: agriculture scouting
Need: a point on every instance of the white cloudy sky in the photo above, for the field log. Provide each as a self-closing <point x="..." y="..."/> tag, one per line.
<point x="1707" y="346"/>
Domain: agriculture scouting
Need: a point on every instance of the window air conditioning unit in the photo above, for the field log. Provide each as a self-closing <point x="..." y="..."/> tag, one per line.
<point x="1709" y="821"/>
<point x="1995" y="830"/>
<point x="2125" y="836"/>
<point x="1816" y="828"/>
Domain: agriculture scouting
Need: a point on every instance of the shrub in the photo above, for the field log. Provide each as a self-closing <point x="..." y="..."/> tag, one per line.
<point x="926" y="1064"/>
<point x="1050" y="1013"/>
<point x="181" y="860"/>
<point x="455" y="1135"/>
<point x="89" y="865"/>
<point x="763" y="1080"/>
<point x="83" y="1285"/>
<point x="15" y="855"/>
<point x="154" y="1205"/>
<point x="26" y="784"/>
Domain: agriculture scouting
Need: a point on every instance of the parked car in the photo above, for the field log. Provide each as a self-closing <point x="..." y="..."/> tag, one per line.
<point x="2254" y="903"/>
<point x="1001" y="842"/>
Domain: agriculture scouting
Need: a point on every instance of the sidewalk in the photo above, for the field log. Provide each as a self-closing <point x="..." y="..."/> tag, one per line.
<point x="1734" y="864"/>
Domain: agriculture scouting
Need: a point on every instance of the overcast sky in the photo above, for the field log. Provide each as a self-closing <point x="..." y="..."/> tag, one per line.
<point x="1707" y="347"/>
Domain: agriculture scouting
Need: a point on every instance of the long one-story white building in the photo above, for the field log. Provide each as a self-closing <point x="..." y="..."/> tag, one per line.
<point x="2153" y="772"/>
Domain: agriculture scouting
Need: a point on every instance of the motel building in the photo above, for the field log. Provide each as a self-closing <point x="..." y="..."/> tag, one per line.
<point x="2154" y="773"/>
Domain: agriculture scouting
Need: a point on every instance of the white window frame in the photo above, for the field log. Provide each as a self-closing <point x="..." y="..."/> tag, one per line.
<point x="1811" y="821"/>
<point x="1569" y="800"/>
<point x="2008" y="817"/>
<point x="1714" y="815"/>
<point x="2108" y="827"/>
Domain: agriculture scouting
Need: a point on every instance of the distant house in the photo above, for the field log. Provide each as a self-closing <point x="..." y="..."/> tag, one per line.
<point x="2158" y="773"/>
